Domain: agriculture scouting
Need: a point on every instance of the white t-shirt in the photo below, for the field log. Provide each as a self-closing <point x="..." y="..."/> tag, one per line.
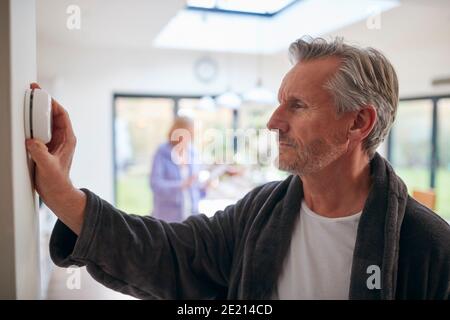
<point x="319" y="261"/>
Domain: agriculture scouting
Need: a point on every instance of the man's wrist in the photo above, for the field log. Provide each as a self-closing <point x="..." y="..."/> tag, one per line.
<point x="69" y="206"/>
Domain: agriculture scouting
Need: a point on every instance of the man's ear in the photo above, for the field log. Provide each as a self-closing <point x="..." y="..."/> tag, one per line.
<point x="363" y="123"/>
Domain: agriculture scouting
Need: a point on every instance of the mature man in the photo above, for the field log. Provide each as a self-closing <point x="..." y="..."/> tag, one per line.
<point x="341" y="226"/>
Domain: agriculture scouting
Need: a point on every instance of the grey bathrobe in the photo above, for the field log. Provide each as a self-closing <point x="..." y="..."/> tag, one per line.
<point x="239" y="252"/>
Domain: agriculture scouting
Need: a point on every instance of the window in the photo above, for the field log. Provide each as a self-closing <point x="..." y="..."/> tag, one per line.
<point x="419" y="148"/>
<point x="411" y="135"/>
<point x="443" y="163"/>
<point x="207" y="122"/>
<point x="141" y="124"/>
<point x="261" y="7"/>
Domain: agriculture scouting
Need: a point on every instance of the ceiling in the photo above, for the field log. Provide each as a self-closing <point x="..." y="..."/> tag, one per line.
<point x="136" y="23"/>
<point x="212" y="31"/>
<point x="415" y="22"/>
<point x="105" y="23"/>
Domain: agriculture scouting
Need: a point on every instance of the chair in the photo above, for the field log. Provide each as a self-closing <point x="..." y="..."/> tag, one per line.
<point x="426" y="197"/>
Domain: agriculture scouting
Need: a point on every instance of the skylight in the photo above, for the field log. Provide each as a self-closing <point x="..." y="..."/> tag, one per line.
<point x="267" y="8"/>
<point x="264" y="34"/>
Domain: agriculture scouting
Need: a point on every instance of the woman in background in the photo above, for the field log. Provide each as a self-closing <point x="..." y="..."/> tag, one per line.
<point x="174" y="174"/>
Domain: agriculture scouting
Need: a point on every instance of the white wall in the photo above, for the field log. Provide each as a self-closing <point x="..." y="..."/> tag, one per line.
<point x="7" y="267"/>
<point x="416" y="38"/>
<point x="19" y="223"/>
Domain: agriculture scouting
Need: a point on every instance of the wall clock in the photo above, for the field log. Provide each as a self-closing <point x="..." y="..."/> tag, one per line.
<point x="205" y="69"/>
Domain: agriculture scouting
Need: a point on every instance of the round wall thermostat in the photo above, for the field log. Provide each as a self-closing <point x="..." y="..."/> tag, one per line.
<point x="38" y="115"/>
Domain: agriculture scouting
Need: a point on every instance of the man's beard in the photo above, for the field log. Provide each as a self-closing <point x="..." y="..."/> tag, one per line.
<point x="309" y="158"/>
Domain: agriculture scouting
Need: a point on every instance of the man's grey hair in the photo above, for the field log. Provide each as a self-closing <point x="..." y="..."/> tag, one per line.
<point x="365" y="77"/>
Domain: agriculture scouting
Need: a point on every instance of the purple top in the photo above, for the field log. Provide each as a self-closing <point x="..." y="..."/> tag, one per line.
<point x="166" y="181"/>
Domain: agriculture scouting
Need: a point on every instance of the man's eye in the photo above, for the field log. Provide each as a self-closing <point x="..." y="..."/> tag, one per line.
<point x="299" y="105"/>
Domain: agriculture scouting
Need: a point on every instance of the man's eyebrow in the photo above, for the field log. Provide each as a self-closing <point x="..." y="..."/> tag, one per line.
<point x="297" y="98"/>
<point x="293" y="98"/>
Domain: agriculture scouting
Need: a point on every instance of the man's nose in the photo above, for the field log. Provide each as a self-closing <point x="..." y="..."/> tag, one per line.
<point x="278" y="121"/>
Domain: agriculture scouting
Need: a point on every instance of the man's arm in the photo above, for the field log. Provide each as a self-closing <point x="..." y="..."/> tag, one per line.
<point x="69" y="207"/>
<point x="147" y="257"/>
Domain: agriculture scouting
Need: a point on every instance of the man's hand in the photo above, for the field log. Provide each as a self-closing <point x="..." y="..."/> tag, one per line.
<point x="53" y="162"/>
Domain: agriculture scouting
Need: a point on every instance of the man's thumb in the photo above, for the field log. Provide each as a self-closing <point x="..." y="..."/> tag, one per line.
<point x="38" y="151"/>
